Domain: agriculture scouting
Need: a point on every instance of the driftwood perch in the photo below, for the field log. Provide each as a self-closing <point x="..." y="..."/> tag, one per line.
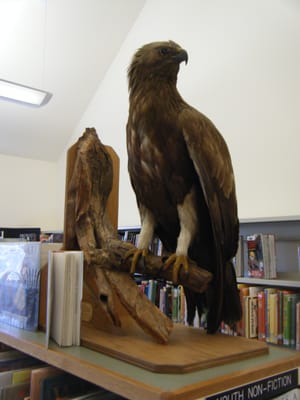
<point x="108" y="287"/>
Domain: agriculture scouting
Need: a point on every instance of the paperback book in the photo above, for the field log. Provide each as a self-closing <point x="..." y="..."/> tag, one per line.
<point x="64" y="295"/>
<point x="261" y="256"/>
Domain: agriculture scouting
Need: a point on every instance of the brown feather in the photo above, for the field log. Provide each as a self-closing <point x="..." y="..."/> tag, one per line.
<point x="172" y="150"/>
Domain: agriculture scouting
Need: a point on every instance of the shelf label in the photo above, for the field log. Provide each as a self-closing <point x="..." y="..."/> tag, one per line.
<point x="262" y="389"/>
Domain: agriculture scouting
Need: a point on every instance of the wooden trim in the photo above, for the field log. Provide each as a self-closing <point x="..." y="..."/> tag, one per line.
<point x="136" y="383"/>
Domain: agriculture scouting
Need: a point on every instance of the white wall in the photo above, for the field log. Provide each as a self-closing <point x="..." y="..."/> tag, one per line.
<point x="28" y="193"/>
<point x="243" y="73"/>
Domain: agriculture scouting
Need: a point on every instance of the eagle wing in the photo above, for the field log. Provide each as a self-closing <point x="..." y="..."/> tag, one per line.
<point x="209" y="153"/>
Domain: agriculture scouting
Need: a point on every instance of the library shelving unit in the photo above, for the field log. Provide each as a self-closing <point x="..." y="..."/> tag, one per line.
<point x="287" y="237"/>
<point x="256" y="377"/>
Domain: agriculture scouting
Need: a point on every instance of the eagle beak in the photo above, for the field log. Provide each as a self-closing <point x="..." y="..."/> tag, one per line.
<point x="182" y="55"/>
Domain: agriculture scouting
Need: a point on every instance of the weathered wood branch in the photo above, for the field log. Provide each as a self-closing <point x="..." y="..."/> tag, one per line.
<point x="108" y="287"/>
<point x="112" y="256"/>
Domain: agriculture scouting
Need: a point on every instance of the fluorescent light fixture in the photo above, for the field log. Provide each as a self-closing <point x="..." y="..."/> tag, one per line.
<point x="16" y="92"/>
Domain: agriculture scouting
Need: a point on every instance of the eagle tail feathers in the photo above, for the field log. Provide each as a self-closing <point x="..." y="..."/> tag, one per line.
<point x="231" y="311"/>
<point x="194" y="302"/>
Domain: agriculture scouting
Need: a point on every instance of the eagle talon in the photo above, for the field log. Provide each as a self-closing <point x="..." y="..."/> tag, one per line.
<point x="178" y="261"/>
<point x="136" y="253"/>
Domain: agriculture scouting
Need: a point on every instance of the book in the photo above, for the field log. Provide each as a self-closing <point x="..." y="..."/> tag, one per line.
<point x="253" y="326"/>
<point x="45" y="248"/>
<point x="273" y="318"/>
<point x="250" y="317"/>
<point x="175" y="304"/>
<point x="15" y="391"/>
<point x="268" y="292"/>
<point x="14" y="376"/>
<point x="244" y="292"/>
<point x="292" y="305"/>
<point x="261" y="318"/>
<point x="298" y="326"/>
<point x="37" y="377"/>
<point x="15" y="384"/>
<point x="238" y="260"/>
<point x="280" y="316"/>
<point x="272" y="256"/>
<point x="152" y="288"/>
<point x="256" y="257"/>
<point x="19" y="283"/>
<point x="65" y="285"/>
<point x="286" y="320"/>
<point x="289" y="318"/>
<point x="64" y="385"/>
<point x="261" y="256"/>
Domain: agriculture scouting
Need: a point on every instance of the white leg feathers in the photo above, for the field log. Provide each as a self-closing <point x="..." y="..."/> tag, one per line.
<point x="188" y="223"/>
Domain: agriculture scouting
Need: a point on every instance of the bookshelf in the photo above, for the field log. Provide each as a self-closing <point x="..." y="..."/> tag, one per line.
<point x="287" y="241"/>
<point x="287" y="235"/>
<point x="136" y="383"/>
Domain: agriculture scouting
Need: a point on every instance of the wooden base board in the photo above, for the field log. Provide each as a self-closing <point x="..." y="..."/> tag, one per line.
<point x="189" y="349"/>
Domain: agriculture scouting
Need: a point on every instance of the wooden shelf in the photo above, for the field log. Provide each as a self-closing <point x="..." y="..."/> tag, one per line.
<point x="136" y="383"/>
<point x="284" y="279"/>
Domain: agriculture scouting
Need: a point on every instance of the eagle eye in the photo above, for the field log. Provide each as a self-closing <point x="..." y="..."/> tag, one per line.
<point x="164" y="51"/>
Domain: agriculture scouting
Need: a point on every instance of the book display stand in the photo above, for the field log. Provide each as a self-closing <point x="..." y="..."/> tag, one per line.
<point x="189" y="349"/>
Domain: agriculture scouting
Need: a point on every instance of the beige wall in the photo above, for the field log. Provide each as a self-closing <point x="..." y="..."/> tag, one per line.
<point x="28" y="194"/>
<point x="243" y="73"/>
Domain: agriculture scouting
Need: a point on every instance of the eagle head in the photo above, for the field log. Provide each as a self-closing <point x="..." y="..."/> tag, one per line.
<point x="157" y="60"/>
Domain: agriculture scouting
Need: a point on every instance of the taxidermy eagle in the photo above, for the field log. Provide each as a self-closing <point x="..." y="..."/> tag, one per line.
<point x="181" y="172"/>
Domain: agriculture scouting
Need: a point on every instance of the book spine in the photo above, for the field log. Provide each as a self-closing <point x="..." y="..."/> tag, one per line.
<point x="175" y="304"/>
<point x="268" y="292"/>
<point x="273" y="316"/>
<point x="265" y="256"/>
<point x="272" y="256"/>
<point x="253" y="317"/>
<point x="280" y="316"/>
<point x="261" y="316"/>
<point x="298" y="326"/>
<point x="286" y="321"/>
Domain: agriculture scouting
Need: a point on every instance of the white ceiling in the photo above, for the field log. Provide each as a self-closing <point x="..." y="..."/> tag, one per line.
<point x="61" y="46"/>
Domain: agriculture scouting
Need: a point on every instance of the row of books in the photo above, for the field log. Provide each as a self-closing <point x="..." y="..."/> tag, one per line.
<point x="132" y="236"/>
<point x="23" y="377"/>
<point x="166" y="296"/>
<point x="30" y="234"/>
<point x="270" y="314"/>
<point x="259" y="251"/>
